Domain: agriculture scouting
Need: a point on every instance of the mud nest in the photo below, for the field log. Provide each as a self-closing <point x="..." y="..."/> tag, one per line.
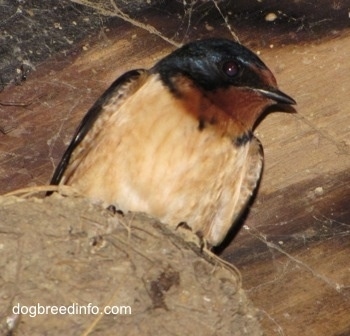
<point x="65" y="252"/>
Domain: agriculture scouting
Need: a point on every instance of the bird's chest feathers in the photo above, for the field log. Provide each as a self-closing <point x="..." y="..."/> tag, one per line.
<point x="159" y="153"/>
<point x="173" y="139"/>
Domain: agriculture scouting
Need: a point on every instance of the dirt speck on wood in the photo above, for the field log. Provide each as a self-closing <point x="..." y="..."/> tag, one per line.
<point x="66" y="252"/>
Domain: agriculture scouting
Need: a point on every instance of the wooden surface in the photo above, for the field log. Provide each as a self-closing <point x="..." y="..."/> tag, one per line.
<point x="294" y="249"/>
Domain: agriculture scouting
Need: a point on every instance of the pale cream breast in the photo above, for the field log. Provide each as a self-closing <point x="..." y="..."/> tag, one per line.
<point x="152" y="157"/>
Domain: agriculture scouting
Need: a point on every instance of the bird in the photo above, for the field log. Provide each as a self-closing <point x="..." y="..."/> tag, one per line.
<point x="176" y="140"/>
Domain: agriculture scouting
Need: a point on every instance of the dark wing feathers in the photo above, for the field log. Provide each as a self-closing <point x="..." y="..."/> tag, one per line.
<point x="89" y="119"/>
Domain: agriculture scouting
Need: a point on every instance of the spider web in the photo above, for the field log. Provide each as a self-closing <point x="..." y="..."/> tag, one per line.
<point x="110" y="8"/>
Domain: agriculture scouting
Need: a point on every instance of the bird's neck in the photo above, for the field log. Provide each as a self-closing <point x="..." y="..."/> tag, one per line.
<point x="233" y="111"/>
<point x="241" y="105"/>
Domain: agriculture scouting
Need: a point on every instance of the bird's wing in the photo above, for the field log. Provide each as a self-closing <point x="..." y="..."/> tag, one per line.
<point x="244" y="180"/>
<point x="251" y="178"/>
<point x="115" y="90"/>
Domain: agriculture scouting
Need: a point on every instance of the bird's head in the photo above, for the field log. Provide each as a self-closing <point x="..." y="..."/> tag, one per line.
<point x="229" y="74"/>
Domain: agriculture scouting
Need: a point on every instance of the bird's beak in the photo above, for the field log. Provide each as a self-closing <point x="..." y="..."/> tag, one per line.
<point x="278" y="96"/>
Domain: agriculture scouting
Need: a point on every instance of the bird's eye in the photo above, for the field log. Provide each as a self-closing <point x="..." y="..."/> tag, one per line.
<point x="230" y="68"/>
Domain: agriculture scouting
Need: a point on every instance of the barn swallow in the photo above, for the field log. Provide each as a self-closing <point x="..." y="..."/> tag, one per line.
<point x="176" y="141"/>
